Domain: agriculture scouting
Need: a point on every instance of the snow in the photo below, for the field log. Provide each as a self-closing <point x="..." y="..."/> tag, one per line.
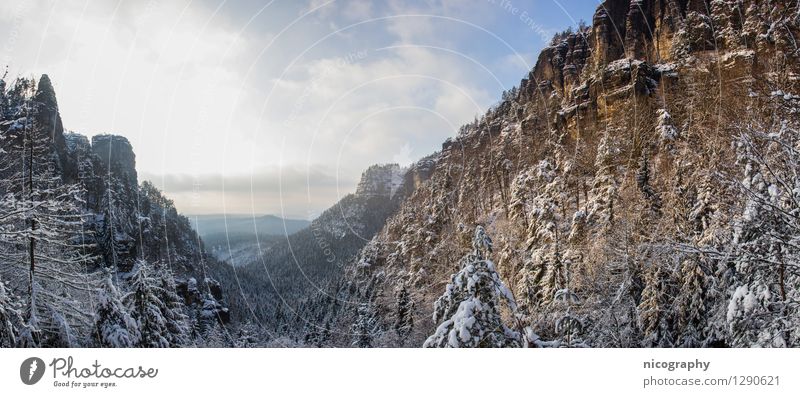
<point x="464" y="319"/>
<point x="773" y="192"/>
<point x="786" y="96"/>
<point x="667" y="69"/>
<point x="665" y="128"/>
<point x="730" y="55"/>
<point x="623" y="64"/>
<point x="511" y="129"/>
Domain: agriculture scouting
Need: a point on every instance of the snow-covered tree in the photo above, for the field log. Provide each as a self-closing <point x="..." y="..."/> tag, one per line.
<point x="665" y="128"/>
<point x="404" y="318"/>
<point x="146" y="307"/>
<point x="216" y="336"/>
<point x="468" y="313"/>
<point x="10" y="318"/>
<point x="173" y="309"/>
<point x="318" y="335"/>
<point x="704" y="208"/>
<point x="544" y="272"/>
<point x="569" y="326"/>
<point x="113" y="324"/>
<point x="521" y="188"/>
<point x="762" y="310"/>
<point x="604" y="193"/>
<point x="690" y="305"/>
<point x="655" y="314"/>
<point x="250" y="335"/>
<point x="482" y="243"/>
<point x="44" y="214"/>
<point x="644" y="182"/>
<point x="366" y="326"/>
<point x="116" y="243"/>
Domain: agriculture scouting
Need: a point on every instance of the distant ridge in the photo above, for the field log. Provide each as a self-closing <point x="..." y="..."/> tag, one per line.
<point x="206" y="225"/>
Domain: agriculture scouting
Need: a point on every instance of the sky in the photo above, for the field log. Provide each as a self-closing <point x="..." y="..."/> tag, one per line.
<point x="276" y="106"/>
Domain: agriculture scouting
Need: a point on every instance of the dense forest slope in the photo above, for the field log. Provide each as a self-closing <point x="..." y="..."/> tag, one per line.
<point x="292" y="289"/>
<point x="639" y="188"/>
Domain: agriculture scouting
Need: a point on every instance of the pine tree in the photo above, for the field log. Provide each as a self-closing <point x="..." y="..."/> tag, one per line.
<point x="704" y="208"/>
<point x="569" y="326"/>
<point x="544" y="273"/>
<point x="404" y="321"/>
<point x="366" y="326"/>
<point x="249" y="336"/>
<point x="146" y="307"/>
<point x="173" y="309"/>
<point x="216" y="336"/>
<point x="468" y="312"/>
<point x="521" y="188"/>
<point x="482" y="244"/>
<point x="113" y="324"/>
<point x="665" y="128"/>
<point x="644" y="181"/>
<point x="114" y="237"/>
<point x="690" y="307"/>
<point x="654" y="309"/>
<point x="604" y="193"/>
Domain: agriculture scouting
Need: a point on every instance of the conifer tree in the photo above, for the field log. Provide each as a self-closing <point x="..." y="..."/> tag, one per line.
<point x="468" y="312"/>
<point x="644" y="181"/>
<point x="114" y="237"/>
<point x="654" y="309"/>
<point x="173" y="309"/>
<point x="366" y="326"/>
<point x="604" y="193"/>
<point x="113" y="324"/>
<point x="146" y="307"/>
<point x="690" y="306"/>
<point x="404" y="321"/>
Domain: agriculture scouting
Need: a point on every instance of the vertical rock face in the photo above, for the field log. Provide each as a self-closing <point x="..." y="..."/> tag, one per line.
<point x="50" y="118"/>
<point x="639" y="30"/>
<point x="608" y="31"/>
<point x="416" y="175"/>
<point x="116" y="155"/>
<point x="668" y="20"/>
<point x="657" y="32"/>
<point x="655" y="82"/>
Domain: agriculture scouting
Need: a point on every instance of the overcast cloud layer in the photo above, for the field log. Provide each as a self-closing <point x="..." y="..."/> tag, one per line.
<point x="276" y="106"/>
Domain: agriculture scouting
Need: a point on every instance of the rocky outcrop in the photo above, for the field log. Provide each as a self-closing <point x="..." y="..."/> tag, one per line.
<point x="204" y="299"/>
<point x="380" y="181"/>
<point x="50" y="118"/>
<point x="116" y="156"/>
<point x="415" y="176"/>
<point x="661" y="32"/>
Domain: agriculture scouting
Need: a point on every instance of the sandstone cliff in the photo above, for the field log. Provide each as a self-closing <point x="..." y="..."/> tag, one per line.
<point x="586" y="174"/>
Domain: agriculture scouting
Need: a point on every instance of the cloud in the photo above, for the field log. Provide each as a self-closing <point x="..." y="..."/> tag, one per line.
<point x="343" y="10"/>
<point x="210" y="91"/>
